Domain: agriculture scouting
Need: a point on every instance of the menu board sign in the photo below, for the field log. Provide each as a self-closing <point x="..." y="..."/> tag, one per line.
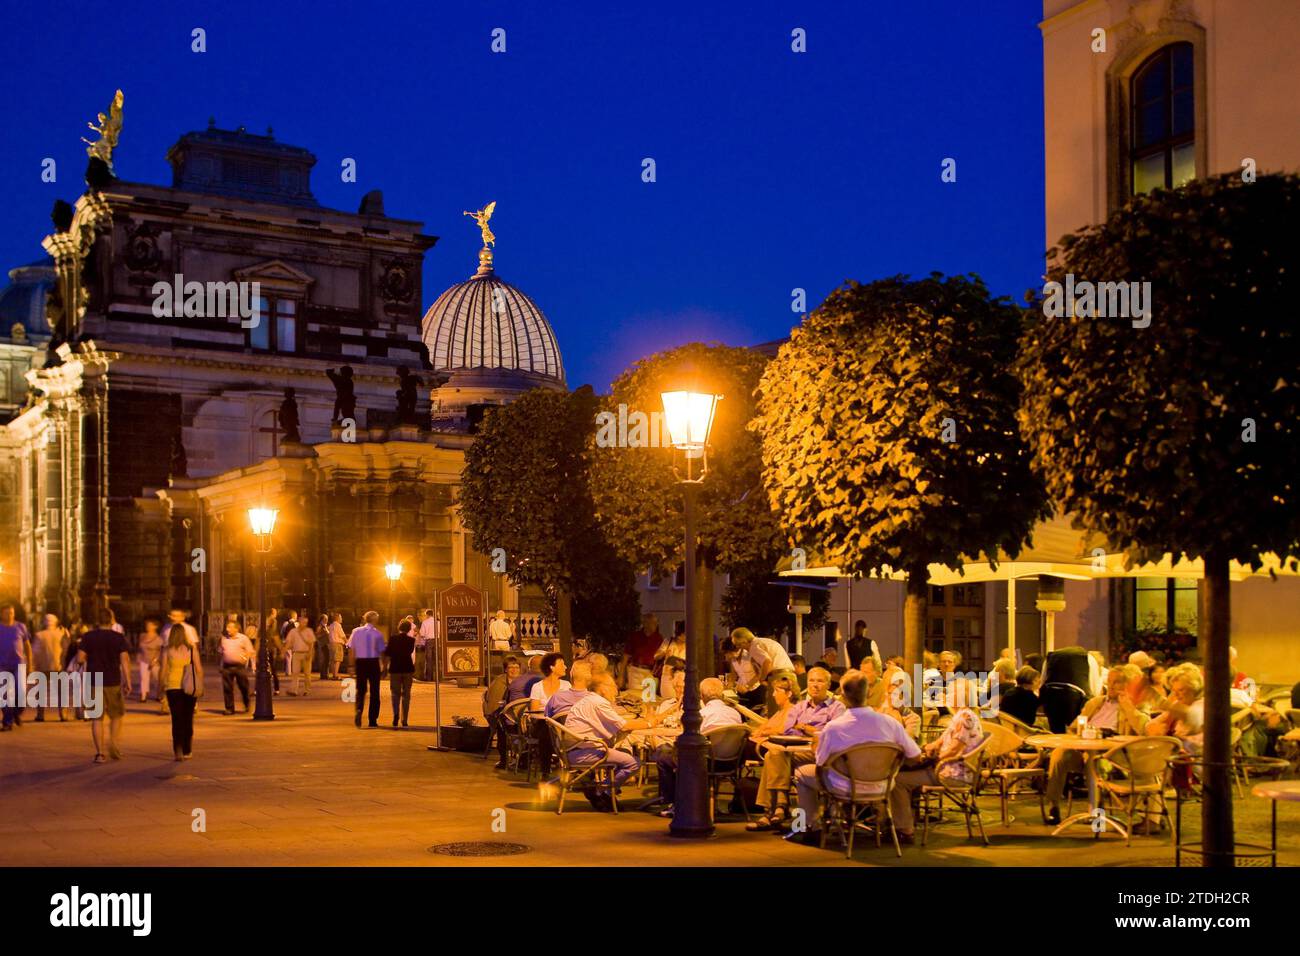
<point x="460" y="609"/>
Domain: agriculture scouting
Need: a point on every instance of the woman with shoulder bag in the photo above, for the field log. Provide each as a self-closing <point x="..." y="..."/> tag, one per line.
<point x="183" y="685"/>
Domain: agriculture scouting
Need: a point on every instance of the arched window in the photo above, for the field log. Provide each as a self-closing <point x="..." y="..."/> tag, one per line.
<point x="1162" y="113"/>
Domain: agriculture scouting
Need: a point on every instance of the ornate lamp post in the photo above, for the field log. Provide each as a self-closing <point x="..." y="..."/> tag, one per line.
<point x="262" y="521"/>
<point x="689" y="416"/>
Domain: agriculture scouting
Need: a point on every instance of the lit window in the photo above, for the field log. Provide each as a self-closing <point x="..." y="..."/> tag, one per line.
<point x="277" y="326"/>
<point x="1162" y="111"/>
<point x="1159" y="601"/>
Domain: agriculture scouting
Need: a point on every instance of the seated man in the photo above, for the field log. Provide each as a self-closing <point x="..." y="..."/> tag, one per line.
<point x="800" y="669"/>
<point x="500" y="693"/>
<point x="830" y="658"/>
<point x="714" y="712"/>
<point x="594" y="717"/>
<point x="858" y="724"/>
<point x="562" y="702"/>
<point x="877" y="689"/>
<point x="806" y="718"/>
<point x="1113" y="711"/>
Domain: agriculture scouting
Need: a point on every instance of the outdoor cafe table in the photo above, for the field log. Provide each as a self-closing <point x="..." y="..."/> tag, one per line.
<point x="1089" y="748"/>
<point x="1273" y="791"/>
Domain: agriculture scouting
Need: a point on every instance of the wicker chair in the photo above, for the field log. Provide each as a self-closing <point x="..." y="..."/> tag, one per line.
<point x="871" y="770"/>
<point x="1142" y="766"/>
<point x="521" y="745"/>
<point x="576" y="770"/>
<point x="726" y="762"/>
<point x="962" y="795"/>
<point x="1003" y="769"/>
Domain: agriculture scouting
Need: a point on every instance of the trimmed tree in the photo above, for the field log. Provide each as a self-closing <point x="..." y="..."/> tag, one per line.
<point x="889" y="433"/>
<point x="1179" y="432"/>
<point x="638" y="498"/>
<point x="524" y="489"/>
<point x="752" y="600"/>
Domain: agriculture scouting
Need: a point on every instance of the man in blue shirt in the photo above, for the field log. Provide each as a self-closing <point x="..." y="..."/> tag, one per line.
<point x="367" y="643"/>
<point x="805" y="719"/>
<point x="15" y="653"/>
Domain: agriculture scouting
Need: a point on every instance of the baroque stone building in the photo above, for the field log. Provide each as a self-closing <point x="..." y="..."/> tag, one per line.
<point x="153" y="419"/>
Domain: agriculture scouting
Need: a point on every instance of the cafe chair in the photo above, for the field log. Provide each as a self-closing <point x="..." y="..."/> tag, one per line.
<point x="580" y="771"/>
<point x="871" y="770"/>
<point x="521" y="745"/>
<point x="1139" y="770"/>
<point x="1003" y="770"/>
<point x="963" y="796"/>
<point x="726" y="762"/>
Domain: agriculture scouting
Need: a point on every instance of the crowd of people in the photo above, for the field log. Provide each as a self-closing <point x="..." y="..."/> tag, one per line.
<point x="164" y="662"/>
<point x="799" y="715"/>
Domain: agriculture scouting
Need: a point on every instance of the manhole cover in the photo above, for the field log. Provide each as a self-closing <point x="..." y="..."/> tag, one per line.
<point x="480" y="848"/>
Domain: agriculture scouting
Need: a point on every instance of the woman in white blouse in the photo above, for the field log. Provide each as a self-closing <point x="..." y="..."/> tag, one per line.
<point x="552" y="682"/>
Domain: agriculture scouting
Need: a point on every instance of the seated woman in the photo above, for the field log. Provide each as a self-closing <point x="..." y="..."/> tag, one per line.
<point x="667" y="681"/>
<point x="941" y="760"/>
<point x="1021" y="701"/>
<point x="1184" y="713"/>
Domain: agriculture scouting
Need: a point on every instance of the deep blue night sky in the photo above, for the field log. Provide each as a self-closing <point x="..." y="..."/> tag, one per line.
<point x="775" y="169"/>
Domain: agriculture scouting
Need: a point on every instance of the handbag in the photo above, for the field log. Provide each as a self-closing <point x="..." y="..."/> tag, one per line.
<point x="188" y="683"/>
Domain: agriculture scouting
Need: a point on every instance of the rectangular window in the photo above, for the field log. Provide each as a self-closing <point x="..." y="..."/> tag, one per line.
<point x="1165" y="605"/>
<point x="277" y="326"/>
<point x="286" y="326"/>
<point x="259" y="335"/>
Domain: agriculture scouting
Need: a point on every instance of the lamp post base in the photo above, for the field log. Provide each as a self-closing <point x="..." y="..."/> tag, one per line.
<point x="691" y="816"/>
<point x="265" y="709"/>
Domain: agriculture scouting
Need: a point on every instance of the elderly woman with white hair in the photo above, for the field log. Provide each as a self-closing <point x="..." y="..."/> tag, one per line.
<point x="1184" y="713"/>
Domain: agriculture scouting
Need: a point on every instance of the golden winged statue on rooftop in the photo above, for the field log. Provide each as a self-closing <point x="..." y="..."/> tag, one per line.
<point x="109" y="128"/>
<point x="481" y="217"/>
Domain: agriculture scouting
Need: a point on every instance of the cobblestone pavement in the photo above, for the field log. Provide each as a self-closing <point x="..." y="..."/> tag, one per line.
<point x="309" y="789"/>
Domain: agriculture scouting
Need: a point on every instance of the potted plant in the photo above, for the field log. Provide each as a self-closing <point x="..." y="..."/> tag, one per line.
<point x="468" y="736"/>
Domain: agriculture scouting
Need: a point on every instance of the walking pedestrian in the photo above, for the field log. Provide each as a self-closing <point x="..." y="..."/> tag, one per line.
<point x="236" y="653"/>
<point x="367" y="643"/>
<point x="300" y="645"/>
<point x="48" y="646"/>
<point x="15" y="655"/>
<point x="182" y="682"/>
<point x="107" y="662"/>
<point x="401" y="671"/>
<point x="149" y="658"/>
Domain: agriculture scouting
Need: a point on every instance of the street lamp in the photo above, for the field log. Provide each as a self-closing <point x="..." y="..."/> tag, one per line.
<point x="393" y="571"/>
<point x="262" y="522"/>
<point x="689" y="416"/>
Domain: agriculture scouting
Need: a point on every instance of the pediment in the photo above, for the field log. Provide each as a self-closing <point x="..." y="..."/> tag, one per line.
<point x="274" y="273"/>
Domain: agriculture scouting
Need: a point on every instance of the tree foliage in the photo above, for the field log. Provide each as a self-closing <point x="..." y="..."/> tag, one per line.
<point x="638" y="499"/>
<point x="1142" y="432"/>
<point x="525" y="489"/>
<point x="889" y="429"/>
<point x="751" y="600"/>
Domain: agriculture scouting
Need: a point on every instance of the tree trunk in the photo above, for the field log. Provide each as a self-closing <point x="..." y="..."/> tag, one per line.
<point x="703" y="617"/>
<point x="1216" y="808"/>
<point x="918" y="592"/>
<point x="564" y="622"/>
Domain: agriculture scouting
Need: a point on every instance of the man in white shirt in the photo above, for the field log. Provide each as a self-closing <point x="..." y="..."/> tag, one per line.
<point x="769" y="658"/>
<point x="594" y="717"/>
<point x="859" y="724"/>
<point x="501" y="631"/>
<point x="301" y="645"/>
<point x="367" y="644"/>
<point x="426" y="645"/>
<point x="236" y="654"/>
<point x="714" y="712"/>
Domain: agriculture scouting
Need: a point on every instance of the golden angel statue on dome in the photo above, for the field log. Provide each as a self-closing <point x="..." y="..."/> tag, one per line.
<point x="481" y="217"/>
<point x="109" y="128"/>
